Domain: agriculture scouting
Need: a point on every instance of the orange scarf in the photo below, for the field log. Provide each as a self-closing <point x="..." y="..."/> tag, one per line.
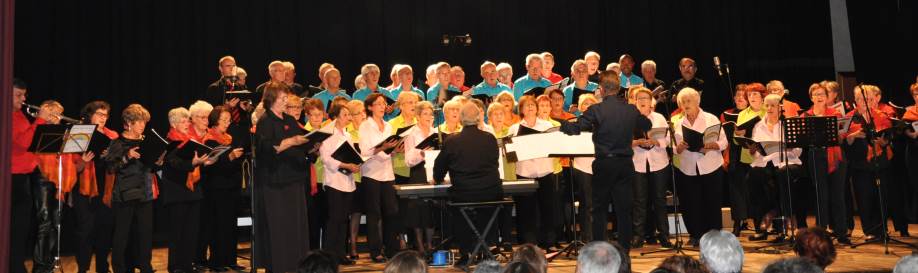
<point x="47" y="164"/>
<point x="194" y="176"/>
<point x="911" y="114"/>
<point x="880" y="121"/>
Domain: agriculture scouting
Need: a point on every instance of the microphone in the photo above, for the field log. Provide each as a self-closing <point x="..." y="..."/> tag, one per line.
<point x="717" y="66"/>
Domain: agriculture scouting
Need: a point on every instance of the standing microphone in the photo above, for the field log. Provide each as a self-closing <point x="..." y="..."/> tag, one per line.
<point x="717" y="66"/>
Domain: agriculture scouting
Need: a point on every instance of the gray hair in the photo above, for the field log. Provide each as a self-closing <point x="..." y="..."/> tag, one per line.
<point x="488" y="266"/>
<point x="721" y="252"/>
<point x="688" y="94"/>
<point x="178" y="114"/>
<point x="792" y="265"/>
<point x="649" y="63"/>
<point x="200" y="107"/>
<point x="598" y="256"/>
<point x="908" y="264"/>
<point x="468" y="114"/>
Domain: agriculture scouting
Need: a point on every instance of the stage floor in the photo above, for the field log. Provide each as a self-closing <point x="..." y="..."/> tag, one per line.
<point x="868" y="258"/>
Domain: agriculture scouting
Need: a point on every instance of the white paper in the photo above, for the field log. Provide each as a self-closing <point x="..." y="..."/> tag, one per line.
<point x="711" y="134"/>
<point x="843" y="125"/>
<point x="429" y="157"/>
<point x="657" y="133"/>
<point x="80" y="135"/>
<point x="541" y="145"/>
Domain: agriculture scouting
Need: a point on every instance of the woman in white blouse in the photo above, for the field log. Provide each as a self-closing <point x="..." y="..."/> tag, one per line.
<point x="537" y="214"/>
<point x="583" y="176"/>
<point x="652" y="176"/>
<point x="770" y="165"/>
<point x="378" y="178"/>
<point x="700" y="178"/>
<point x="339" y="186"/>
<point x="416" y="213"/>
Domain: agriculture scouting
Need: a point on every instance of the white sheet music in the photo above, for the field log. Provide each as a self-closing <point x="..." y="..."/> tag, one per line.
<point x="429" y="157"/>
<point x="79" y="138"/>
<point x="541" y="145"/>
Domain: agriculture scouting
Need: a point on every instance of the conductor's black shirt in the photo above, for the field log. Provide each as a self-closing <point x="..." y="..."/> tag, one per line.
<point x="613" y="123"/>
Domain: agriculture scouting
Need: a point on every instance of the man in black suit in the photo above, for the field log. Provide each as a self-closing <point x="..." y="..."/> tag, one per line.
<point x="470" y="157"/>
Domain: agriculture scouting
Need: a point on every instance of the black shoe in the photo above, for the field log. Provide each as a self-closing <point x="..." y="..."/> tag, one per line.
<point x="651" y="240"/>
<point x="354" y="257"/>
<point x="637" y="243"/>
<point x="236" y="267"/>
<point x="844" y="241"/>
<point x="664" y="242"/>
<point x="758" y="237"/>
<point x="379" y="259"/>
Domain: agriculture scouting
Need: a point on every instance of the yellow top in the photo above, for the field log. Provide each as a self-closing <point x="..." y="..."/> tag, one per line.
<point x="509" y="167"/>
<point x="746" y="115"/>
<point x="320" y="169"/>
<point x="399" y="166"/>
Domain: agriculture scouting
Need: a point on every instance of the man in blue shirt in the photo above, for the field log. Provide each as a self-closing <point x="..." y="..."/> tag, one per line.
<point x="370" y="74"/>
<point x="627" y="77"/>
<point x="489" y="84"/>
<point x="533" y="77"/>
<point x="332" y="87"/>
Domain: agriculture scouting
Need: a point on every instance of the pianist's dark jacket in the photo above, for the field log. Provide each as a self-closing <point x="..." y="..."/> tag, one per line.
<point x="470" y="157"/>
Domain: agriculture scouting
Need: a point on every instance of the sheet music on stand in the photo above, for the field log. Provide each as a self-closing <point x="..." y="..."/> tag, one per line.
<point x="64" y="139"/>
<point x="806" y="132"/>
<point x="542" y="145"/>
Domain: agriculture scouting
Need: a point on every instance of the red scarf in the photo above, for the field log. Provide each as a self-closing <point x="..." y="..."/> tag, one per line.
<point x="174" y="135"/>
<point x="880" y="122"/>
<point x="222" y="138"/>
<point x="48" y="163"/>
<point x="911" y="114"/>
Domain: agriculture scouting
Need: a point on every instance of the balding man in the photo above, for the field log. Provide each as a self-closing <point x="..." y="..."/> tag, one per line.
<point x="470" y="157"/>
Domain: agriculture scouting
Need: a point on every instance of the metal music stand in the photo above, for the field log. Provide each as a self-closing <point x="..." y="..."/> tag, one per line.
<point x="59" y="139"/>
<point x="573" y="248"/>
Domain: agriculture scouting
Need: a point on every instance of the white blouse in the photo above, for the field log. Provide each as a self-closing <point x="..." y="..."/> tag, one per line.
<point x="707" y="162"/>
<point x="761" y="133"/>
<point x="657" y="155"/>
<point x="333" y="177"/>
<point x="379" y="166"/>
<point x="533" y="168"/>
<point x="584" y="164"/>
<point x="413" y="155"/>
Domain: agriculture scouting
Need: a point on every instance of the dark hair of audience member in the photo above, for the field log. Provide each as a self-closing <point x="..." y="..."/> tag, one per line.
<point x="815" y="245"/>
<point x="408" y="261"/>
<point x="518" y="267"/>
<point x="318" y="262"/>
<point x="792" y="265"/>
<point x="625" y="266"/>
<point x="683" y="264"/>
<point x="531" y="254"/>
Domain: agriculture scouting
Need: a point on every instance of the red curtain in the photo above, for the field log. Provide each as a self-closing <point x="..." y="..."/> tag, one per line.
<point x="6" y="100"/>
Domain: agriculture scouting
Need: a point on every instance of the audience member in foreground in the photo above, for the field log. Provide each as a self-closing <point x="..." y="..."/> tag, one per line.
<point x="721" y="252"/>
<point x="792" y="265"/>
<point x="408" y="261"/>
<point x="815" y="245"/>
<point x="318" y="262"/>
<point x="598" y="256"/>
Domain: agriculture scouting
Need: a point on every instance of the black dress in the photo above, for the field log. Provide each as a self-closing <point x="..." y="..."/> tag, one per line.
<point x="282" y="228"/>
<point x="221" y="184"/>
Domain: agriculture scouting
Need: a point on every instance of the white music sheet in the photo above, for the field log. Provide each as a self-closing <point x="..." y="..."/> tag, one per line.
<point x="541" y="145"/>
<point x="79" y="138"/>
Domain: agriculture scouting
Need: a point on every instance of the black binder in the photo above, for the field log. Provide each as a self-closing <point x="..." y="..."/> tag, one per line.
<point x="535" y="91"/>
<point x="99" y="143"/>
<point x="347" y="154"/>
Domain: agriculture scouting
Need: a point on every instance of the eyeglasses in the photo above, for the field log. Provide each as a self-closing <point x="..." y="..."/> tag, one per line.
<point x="101" y="114"/>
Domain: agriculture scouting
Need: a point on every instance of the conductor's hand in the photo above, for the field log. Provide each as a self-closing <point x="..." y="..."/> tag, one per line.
<point x="133" y="153"/>
<point x="681" y="147"/>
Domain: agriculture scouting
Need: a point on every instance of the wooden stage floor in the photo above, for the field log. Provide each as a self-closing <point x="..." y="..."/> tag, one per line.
<point x="868" y="258"/>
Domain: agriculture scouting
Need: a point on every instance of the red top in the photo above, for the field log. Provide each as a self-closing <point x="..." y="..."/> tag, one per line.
<point x="555" y="78"/>
<point x="834" y="153"/>
<point x="23" y="161"/>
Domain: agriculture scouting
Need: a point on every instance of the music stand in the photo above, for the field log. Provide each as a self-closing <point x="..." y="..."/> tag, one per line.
<point x="572" y="248"/>
<point x="59" y="139"/>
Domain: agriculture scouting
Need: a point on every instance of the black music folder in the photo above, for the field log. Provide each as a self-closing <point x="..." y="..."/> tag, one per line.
<point x="484" y="98"/>
<point x="399" y="135"/>
<point x="764" y="147"/>
<point x="450" y="94"/>
<point x="239" y="94"/>
<point x="696" y="140"/>
<point x="99" y="143"/>
<point x="433" y="141"/>
<point x="748" y="125"/>
<point x="535" y="91"/>
<point x="347" y="154"/>
<point x="316" y="136"/>
<point x="153" y="147"/>
<point x="575" y="95"/>
<point x="527" y="131"/>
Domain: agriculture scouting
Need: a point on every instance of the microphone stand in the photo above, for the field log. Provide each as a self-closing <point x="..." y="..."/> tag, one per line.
<point x="786" y="239"/>
<point x="678" y="247"/>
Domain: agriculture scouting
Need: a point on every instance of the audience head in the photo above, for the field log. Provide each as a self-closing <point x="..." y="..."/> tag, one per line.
<point x="682" y="264"/>
<point x="598" y="257"/>
<point x="792" y="265"/>
<point x="520" y="267"/>
<point x="487" y="266"/>
<point x="408" y="261"/>
<point x="531" y="254"/>
<point x="318" y="262"/>
<point x="721" y="252"/>
<point x="908" y="264"/>
<point x="815" y="244"/>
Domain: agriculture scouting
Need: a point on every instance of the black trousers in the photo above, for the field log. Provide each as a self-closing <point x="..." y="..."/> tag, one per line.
<point x="612" y="182"/>
<point x="867" y="198"/>
<point x="538" y="214"/>
<point x="184" y="225"/>
<point x="20" y="219"/>
<point x="218" y="226"/>
<point x="316" y="206"/>
<point x="739" y="191"/>
<point x="700" y="200"/>
<point x="46" y="214"/>
<point x="832" y="210"/>
<point x="337" y="229"/>
<point x="584" y="182"/>
<point x="650" y="191"/>
<point x="381" y="203"/>
<point x="93" y="231"/>
<point x="282" y="231"/>
<point x="133" y="227"/>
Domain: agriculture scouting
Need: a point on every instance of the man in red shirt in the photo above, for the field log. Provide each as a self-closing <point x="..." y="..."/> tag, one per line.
<point x="25" y="175"/>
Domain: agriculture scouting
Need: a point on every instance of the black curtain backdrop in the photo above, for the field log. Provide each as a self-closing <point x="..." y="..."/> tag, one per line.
<point x="885" y="39"/>
<point x="162" y="54"/>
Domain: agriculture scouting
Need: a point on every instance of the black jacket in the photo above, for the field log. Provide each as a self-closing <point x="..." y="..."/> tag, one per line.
<point x="175" y="175"/>
<point x="613" y="124"/>
<point x="289" y="166"/>
<point x="470" y="157"/>
<point x="132" y="177"/>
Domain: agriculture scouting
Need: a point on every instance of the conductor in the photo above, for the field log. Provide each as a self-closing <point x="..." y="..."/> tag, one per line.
<point x="613" y="123"/>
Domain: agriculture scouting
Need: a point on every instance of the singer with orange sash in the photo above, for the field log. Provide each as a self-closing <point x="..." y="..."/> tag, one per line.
<point x="220" y="185"/>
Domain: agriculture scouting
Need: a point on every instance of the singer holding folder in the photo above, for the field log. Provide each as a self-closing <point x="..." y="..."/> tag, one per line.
<point x="699" y="179"/>
<point x="378" y="179"/>
<point x="339" y="185"/>
<point x="281" y="174"/>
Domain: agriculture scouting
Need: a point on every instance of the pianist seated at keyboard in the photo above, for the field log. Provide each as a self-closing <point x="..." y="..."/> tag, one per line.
<point x="470" y="157"/>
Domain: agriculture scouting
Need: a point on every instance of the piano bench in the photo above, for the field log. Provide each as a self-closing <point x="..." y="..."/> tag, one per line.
<point x="465" y="207"/>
